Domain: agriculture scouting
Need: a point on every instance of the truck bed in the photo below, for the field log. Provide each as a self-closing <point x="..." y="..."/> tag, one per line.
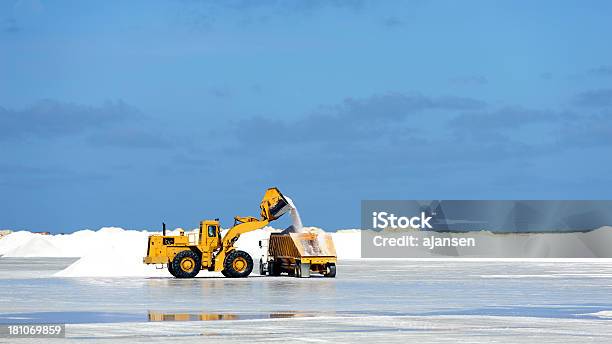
<point x="308" y="251"/>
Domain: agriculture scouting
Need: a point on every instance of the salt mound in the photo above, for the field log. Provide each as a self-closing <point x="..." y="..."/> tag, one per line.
<point x="36" y="246"/>
<point x="112" y="252"/>
<point x="77" y="244"/>
<point x="602" y="314"/>
<point x="113" y="264"/>
<point x="14" y="240"/>
<point x="348" y="243"/>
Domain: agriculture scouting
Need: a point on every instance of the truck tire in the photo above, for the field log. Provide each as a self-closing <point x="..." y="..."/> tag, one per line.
<point x="261" y="267"/>
<point x="238" y="264"/>
<point x="331" y="270"/>
<point x="273" y="269"/>
<point x="297" y="270"/>
<point x="270" y="268"/>
<point x="186" y="264"/>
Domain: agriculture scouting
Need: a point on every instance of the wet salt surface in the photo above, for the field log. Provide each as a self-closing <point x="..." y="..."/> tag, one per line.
<point x="387" y="300"/>
<point x="80" y="317"/>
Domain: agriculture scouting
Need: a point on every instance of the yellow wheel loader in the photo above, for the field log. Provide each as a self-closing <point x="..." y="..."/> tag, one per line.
<point x="186" y="255"/>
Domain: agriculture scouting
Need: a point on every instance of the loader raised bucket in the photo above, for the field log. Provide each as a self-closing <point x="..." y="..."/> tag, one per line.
<point x="276" y="203"/>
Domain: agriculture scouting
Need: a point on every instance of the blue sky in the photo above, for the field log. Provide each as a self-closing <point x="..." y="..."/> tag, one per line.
<point x="132" y="113"/>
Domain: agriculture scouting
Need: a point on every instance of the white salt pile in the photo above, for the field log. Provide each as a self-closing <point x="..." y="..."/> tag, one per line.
<point x="115" y="252"/>
<point x="347" y="243"/>
<point x="602" y="314"/>
<point x="77" y="244"/>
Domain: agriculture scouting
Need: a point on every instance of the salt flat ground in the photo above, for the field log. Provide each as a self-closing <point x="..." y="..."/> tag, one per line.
<point x="371" y="301"/>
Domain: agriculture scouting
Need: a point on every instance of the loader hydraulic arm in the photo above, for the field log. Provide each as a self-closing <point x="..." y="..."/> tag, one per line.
<point x="242" y="225"/>
<point x="273" y="205"/>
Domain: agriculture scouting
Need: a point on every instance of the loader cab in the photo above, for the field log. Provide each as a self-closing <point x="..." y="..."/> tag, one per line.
<point x="210" y="234"/>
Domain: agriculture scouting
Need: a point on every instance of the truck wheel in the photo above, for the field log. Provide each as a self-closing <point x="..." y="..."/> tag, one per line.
<point x="273" y="269"/>
<point x="186" y="264"/>
<point x="170" y="269"/>
<point x="297" y="270"/>
<point x="331" y="270"/>
<point x="261" y="267"/>
<point x="238" y="264"/>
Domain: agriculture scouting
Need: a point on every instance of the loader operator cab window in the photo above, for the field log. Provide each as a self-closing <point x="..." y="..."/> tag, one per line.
<point x="212" y="231"/>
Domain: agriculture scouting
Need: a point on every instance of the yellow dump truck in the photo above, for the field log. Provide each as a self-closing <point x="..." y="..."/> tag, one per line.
<point x="299" y="254"/>
<point x="185" y="255"/>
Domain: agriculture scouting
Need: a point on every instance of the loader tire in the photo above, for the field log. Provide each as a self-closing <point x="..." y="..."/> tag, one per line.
<point x="170" y="269"/>
<point x="238" y="264"/>
<point x="331" y="270"/>
<point x="224" y="273"/>
<point x="186" y="264"/>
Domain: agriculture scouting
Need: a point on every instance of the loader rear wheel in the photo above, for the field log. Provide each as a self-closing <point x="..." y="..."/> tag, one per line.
<point x="186" y="264"/>
<point x="238" y="264"/>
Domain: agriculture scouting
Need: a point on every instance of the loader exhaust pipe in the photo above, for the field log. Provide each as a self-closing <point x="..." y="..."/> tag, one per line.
<point x="163" y="228"/>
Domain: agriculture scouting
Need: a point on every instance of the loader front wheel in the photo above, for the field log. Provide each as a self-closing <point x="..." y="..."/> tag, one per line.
<point x="170" y="269"/>
<point x="186" y="264"/>
<point x="238" y="264"/>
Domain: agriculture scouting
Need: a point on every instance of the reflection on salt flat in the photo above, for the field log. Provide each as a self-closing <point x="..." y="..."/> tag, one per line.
<point x="165" y="316"/>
